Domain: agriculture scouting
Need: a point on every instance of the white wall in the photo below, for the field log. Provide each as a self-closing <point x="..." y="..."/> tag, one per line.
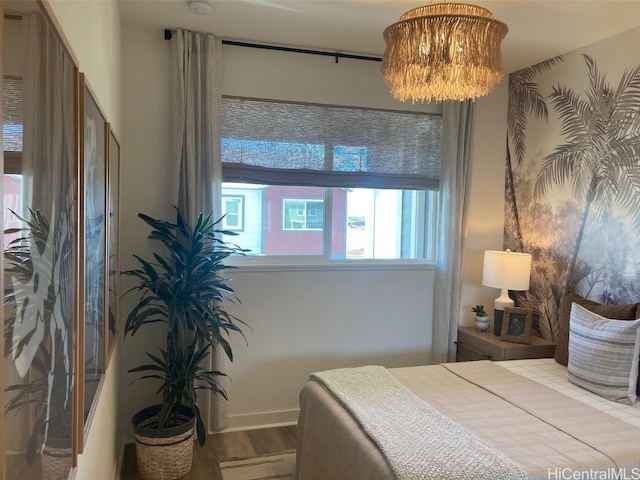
<point x="302" y="320"/>
<point x="93" y="32"/>
<point x="305" y="321"/>
<point x="145" y="174"/>
<point x="485" y="214"/>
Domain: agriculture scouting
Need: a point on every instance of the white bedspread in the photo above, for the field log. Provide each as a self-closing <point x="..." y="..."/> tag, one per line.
<point x="405" y="427"/>
<point x="547" y="371"/>
<point x="525" y="409"/>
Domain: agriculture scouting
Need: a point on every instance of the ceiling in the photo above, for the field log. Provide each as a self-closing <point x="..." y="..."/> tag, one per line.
<point x="538" y="29"/>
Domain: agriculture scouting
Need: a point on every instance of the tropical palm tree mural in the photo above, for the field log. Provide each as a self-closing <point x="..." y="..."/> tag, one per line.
<point x="573" y="162"/>
<point x="601" y="155"/>
<point x="525" y="98"/>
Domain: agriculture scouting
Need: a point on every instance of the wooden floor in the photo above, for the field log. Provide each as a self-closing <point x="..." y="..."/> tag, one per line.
<point x="224" y="446"/>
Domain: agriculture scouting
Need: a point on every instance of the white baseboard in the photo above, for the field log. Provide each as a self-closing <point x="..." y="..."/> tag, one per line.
<point x="254" y="421"/>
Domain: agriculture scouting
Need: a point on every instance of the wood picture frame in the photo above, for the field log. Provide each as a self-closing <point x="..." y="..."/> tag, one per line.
<point x="38" y="388"/>
<point x="92" y="254"/>
<point x="112" y="309"/>
<point x="516" y="325"/>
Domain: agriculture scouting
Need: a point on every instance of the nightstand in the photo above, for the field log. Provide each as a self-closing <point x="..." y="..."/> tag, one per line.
<point x="475" y="345"/>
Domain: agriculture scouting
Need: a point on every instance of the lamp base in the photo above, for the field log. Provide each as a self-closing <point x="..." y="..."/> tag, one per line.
<point x="499" y="304"/>
<point x="497" y="322"/>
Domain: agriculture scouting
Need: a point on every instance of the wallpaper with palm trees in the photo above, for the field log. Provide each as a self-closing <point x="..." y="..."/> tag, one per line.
<point x="573" y="176"/>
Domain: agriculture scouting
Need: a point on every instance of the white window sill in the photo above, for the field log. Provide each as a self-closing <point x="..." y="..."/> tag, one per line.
<point x="288" y="264"/>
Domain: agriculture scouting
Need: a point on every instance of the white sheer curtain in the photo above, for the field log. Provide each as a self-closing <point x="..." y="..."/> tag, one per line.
<point x="195" y="149"/>
<point x="195" y="122"/>
<point x="457" y="120"/>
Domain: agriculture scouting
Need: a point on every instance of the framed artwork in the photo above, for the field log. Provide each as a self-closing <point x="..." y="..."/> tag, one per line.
<point x="112" y="313"/>
<point x="41" y="265"/>
<point x="93" y="246"/>
<point x="516" y="325"/>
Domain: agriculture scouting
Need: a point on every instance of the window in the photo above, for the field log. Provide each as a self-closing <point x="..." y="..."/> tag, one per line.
<point x="232" y="206"/>
<point x="12" y="134"/>
<point x="302" y="214"/>
<point x="12" y="114"/>
<point x="330" y="182"/>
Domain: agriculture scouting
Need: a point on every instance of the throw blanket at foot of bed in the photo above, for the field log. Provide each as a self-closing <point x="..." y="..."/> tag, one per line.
<point x="418" y="441"/>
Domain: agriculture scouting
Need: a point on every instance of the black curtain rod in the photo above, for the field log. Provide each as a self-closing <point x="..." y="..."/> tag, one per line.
<point x="168" y="34"/>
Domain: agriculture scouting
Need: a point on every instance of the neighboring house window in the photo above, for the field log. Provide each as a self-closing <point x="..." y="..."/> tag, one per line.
<point x="302" y="214"/>
<point x="331" y="183"/>
<point x="232" y="207"/>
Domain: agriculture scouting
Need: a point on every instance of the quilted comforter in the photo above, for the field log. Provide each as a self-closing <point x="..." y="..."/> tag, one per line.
<point x="542" y="426"/>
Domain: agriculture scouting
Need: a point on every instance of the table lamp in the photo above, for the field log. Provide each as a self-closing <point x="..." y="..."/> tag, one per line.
<point x="507" y="271"/>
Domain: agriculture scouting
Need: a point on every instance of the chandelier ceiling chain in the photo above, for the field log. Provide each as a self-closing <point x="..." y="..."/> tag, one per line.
<point x="443" y="51"/>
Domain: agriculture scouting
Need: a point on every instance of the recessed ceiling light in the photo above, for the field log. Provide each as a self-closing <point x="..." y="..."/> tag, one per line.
<point x="199" y="7"/>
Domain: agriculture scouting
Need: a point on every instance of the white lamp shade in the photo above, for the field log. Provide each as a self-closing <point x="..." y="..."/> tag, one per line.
<point x="506" y="270"/>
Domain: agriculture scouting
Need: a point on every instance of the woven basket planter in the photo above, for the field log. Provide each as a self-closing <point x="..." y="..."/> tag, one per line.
<point x="163" y="454"/>
<point x="56" y="454"/>
<point x="56" y="462"/>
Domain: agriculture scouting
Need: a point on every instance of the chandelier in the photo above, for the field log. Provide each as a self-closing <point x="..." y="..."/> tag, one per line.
<point x="443" y="51"/>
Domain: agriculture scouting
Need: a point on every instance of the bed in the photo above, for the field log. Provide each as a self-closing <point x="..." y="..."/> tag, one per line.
<point x="525" y="412"/>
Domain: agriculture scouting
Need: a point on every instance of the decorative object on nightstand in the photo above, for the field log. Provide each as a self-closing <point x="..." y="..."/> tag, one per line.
<point x="482" y="319"/>
<point x="507" y="271"/>
<point x="516" y="325"/>
<point x="475" y="345"/>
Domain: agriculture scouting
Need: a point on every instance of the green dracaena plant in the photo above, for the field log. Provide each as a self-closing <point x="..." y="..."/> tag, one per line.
<point x="185" y="288"/>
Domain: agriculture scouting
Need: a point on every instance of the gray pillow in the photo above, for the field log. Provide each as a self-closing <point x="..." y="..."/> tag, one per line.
<point x="603" y="354"/>
<point x="617" y="311"/>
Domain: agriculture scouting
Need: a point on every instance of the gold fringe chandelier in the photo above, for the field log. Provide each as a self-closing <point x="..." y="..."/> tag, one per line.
<point x="443" y="51"/>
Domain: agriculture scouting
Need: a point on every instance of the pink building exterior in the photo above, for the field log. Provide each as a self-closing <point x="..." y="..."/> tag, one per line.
<point x="278" y="241"/>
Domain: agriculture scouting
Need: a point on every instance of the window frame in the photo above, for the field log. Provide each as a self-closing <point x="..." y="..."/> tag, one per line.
<point x="239" y="213"/>
<point x="325" y="260"/>
<point x="261" y="262"/>
<point x="305" y="214"/>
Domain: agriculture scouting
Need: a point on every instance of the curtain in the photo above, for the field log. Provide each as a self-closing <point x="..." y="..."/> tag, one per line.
<point x="457" y="120"/>
<point x="195" y="150"/>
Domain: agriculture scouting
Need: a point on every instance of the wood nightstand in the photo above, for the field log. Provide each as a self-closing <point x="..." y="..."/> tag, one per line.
<point x="475" y="345"/>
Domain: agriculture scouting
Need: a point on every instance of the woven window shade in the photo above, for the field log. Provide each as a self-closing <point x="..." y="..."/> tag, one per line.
<point x="279" y="143"/>
<point x="12" y="114"/>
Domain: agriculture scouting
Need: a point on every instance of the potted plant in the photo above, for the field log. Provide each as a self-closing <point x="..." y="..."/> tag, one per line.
<point x="482" y="319"/>
<point x="185" y="290"/>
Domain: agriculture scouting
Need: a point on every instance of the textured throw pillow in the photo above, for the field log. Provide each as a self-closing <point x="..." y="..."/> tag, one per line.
<point x="603" y="354"/>
<point x="618" y="312"/>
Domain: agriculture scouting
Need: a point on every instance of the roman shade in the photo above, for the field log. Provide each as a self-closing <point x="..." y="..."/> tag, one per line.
<point x="278" y="143"/>
<point x="12" y="114"/>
